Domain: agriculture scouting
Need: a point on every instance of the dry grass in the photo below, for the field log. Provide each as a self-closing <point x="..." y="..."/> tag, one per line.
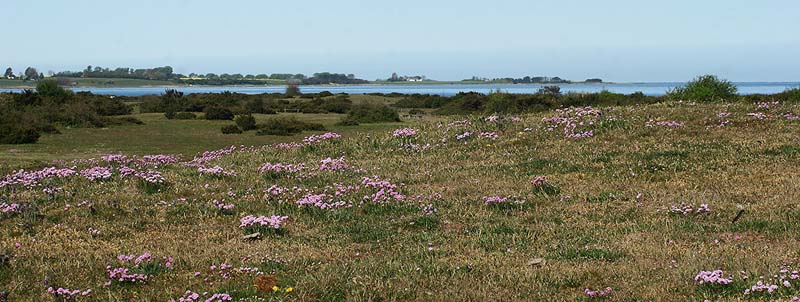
<point x="592" y="231"/>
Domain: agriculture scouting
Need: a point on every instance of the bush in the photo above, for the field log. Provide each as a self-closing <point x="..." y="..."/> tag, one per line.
<point x="218" y="113"/>
<point x="292" y="90"/>
<point x="707" y="88"/>
<point x="371" y="113"/>
<point x="286" y="126"/>
<point x="254" y="106"/>
<point x="246" y="122"/>
<point x="13" y="134"/>
<point x="231" y="129"/>
<point x="123" y="120"/>
<point x="185" y="116"/>
<point x="170" y="114"/>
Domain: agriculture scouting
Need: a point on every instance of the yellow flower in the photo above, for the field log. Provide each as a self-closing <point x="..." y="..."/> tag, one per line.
<point x="289" y="290"/>
<point x="275" y="288"/>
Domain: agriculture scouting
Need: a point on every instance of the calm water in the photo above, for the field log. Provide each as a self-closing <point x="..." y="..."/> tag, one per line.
<point x="445" y="90"/>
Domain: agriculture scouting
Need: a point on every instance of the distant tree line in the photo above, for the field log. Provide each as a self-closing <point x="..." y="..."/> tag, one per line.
<point x="523" y="80"/>
<point x="159" y="73"/>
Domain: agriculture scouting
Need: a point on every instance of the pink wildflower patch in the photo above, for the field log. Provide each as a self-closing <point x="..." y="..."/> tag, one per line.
<point x="273" y="222"/>
<point x="404" y="132"/>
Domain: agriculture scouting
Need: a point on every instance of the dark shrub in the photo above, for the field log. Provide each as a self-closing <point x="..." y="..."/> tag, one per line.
<point x="231" y="129"/>
<point x="323" y="94"/>
<point x="270" y="111"/>
<point x="185" y="116"/>
<point x="502" y="103"/>
<point x="13" y="134"/>
<point x="218" y="113"/>
<point x="286" y="126"/>
<point x="170" y="114"/>
<point x="416" y="111"/>
<point x="246" y="122"/>
<point x="51" y="90"/>
<point x="550" y="90"/>
<point x="371" y="113"/>
<point x="340" y="104"/>
<point x="292" y="90"/>
<point x="123" y="120"/>
<point x="108" y="107"/>
<point x="255" y="106"/>
<point x="707" y="88"/>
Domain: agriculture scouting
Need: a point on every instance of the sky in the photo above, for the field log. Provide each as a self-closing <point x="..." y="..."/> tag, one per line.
<point x="616" y="40"/>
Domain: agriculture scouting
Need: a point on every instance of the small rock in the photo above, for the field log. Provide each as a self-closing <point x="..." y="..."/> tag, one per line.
<point x="4" y="259"/>
<point x="537" y="262"/>
<point x="253" y="236"/>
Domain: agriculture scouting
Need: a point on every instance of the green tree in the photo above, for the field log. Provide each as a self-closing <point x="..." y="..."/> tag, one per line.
<point x="31" y="74"/>
<point x="9" y="73"/>
<point x="707" y="88"/>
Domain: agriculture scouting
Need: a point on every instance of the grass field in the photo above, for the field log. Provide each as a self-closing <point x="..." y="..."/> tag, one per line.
<point x="557" y="206"/>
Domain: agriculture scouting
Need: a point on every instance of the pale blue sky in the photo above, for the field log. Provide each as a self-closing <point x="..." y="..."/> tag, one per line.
<point x="618" y="40"/>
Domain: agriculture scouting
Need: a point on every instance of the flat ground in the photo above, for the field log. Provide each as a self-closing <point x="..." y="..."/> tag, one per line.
<point x="606" y="216"/>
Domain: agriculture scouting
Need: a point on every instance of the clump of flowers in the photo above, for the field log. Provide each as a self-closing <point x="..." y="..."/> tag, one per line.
<point x="785" y="280"/>
<point x="331" y="164"/>
<point x="386" y="191"/>
<point x="30" y="179"/>
<point x="151" y="177"/>
<point x="215" y="171"/>
<point x="673" y="124"/>
<point x="429" y="210"/>
<point x="190" y="296"/>
<point x="97" y="173"/>
<point x="9" y="208"/>
<point x="65" y="294"/>
<point x="767" y="105"/>
<point x="757" y="115"/>
<point x="320" y="138"/>
<point x="489" y="135"/>
<point x="464" y="136"/>
<point x="404" y="132"/>
<point x="274" y="222"/>
<point x="222" y="206"/>
<point x="686" y="209"/>
<point x="712" y="277"/>
<point x="278" y="169"/>
<point x="572" y="118"/>
<point x="539" y="181"/>
<point x="489" y="200"/>
<point x="600" y="293"/>
<point x="323" y="201"/>
<point x="136" y="269"/>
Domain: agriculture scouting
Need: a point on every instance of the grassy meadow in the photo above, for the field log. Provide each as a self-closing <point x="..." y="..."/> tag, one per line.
<point x="627" y="203"/>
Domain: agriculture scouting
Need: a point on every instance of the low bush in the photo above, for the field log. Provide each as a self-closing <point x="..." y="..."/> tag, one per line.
<point x="286" y="126"/>
<point x="246" y="122"/>
<point x="218" y="113"/>
<point x="231" y="129"/>
<point x="371" y="113"/>
<point x="123" y="120"/>
<point x="14" y="134"/>
<point x="707" y="88"/>
<point x="185" y="116"/>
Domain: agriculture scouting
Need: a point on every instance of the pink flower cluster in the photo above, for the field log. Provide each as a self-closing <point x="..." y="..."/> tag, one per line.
<point x="598" y="293"/>
<point x="767" y="105"/>
<point x="322" y="201"/>
<point x="539" y="181"/>
<point x="274" y="222"/>
<point x="322" y="137"/>
<point x="712" y="277"/>
<point x="33" y="178"/>
<point x="461" y="123"/>
<point x="150" y="176"/>
<point x="494" y="200"/>
<point x="9" y="208"/>
<point x="221" y="205"/>
<point x="279" y="168"/>
<point x="147" y="160"/>
<point x="651" y="123"/>
<point x="65" y="294"/>
<point x="464" y="135"/>
<point x="190" y="296"/>
<point x="330" y="164"/>
<point x="95" y="173"/>
<point x="217" y="154"/>
<point x="215" y="171"/>
<point x="489" y="135"/>
<point x="786" y="278"/>
<point x="757" y="115"/>
<point x="404" y="132"/>
<point x="686" y="209"/>
<point x="387" y="191"/>
<point x="571" y="118"/>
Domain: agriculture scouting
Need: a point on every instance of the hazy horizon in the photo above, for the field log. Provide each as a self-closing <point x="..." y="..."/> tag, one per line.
<point x="618" y="41"/>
